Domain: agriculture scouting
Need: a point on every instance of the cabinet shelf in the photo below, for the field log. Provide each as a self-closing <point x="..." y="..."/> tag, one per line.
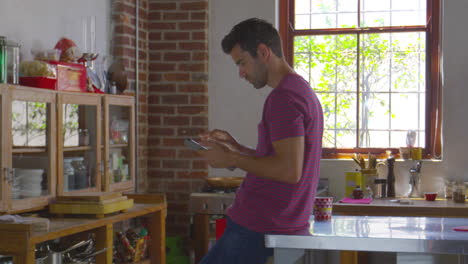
<point x="18" y="150"/>
<point x="118" y="145"/>
<point x="77" y="148"/>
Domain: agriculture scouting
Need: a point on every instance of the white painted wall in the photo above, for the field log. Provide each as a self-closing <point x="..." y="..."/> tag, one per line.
<point x="42" y="23"/>
<point x="236" y="106"/>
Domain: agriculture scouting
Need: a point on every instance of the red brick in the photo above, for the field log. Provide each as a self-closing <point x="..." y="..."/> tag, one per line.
<point x="199" y="35"/>
<point x="193" y="67"/>
<point x="162" y="6"/>
<point x="121" y="40"/>
<point x="176" y="36"/>
<point x="122" y="29"/>
<point x="162" y="67"/>
<point x="199" y="77"/>
<point x="162" y="46"/>
<point x="162" y="26"/>
<point x="154" y="99"/>
<point x="191" y="174"/>
<point x="154" y="15"/>
<point x="154" y="120"/>
<point x="163" y="88"/>
<point x="176" y="121"/>
<point x="176" y="16"/>
<point x="124" y="8"/>
<point x="177" y="56"/>
<point x="155" y="56"/>
<point x="199" y="165"/>
<point x="192" y="110"/>
<point x="199" y="16"/>
<point x="193" y="45"/>
<point x="176" y="164"/>
<point x="201" y="5"/>
<point x="162" y="153"/>
<point x="174" y="99"/>
<point x="155" y="77"/>
<point x="121" y="51"/>
<point x="179" y="186"/>
<point x="202" y="56"/>
<point x="173" y="142"/>
<point x="154" y="141"/>
<point x="193" y="88"/>
<point x="198" y="99"/>
<point x="192" y="25"/>
<point x="187" y="154"/>
<point x="193" y="131"/>
<point x="199" y="121"/>
<point x="161" y="174"/>
<point x="174" y="77"/>
<point x="159" y="109"/>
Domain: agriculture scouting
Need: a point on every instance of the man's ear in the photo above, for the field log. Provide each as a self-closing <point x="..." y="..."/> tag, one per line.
<point x="263" y="52"/>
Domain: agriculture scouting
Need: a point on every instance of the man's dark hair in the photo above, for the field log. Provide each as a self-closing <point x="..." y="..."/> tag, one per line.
<point x="249" y="34"/>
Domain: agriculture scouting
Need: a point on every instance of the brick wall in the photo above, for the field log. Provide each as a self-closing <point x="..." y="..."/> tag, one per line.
<point x="123" y="47"/>
<point x="173" y="94"/>
<point x="177" y="102"/>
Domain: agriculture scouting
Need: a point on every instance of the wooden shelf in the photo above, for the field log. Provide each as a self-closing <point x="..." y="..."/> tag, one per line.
<point x="118" y="145"/>
<point x="78" y="148"/>
<point x="17" y="150"/>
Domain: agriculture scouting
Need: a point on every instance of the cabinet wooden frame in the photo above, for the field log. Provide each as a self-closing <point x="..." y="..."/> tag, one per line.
<point x="9" y="95"/>
<point x="122" y="101"/>
<point x="83" y="100"/>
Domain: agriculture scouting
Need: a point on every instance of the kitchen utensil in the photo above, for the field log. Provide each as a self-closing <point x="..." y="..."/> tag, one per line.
<point x="117" y="74"/>
<point x="57" y="257"/>
<point x="224" y="182"/>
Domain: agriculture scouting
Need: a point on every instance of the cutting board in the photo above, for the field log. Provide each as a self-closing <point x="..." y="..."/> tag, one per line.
<point x="91" y="196"/>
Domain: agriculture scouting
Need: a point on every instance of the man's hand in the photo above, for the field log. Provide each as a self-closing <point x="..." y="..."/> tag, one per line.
<point x="218" y="155"/>
<point x="221" y="137"/>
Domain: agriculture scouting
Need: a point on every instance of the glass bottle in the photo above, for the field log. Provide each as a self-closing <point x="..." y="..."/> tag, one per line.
<point x="3" y="60"/>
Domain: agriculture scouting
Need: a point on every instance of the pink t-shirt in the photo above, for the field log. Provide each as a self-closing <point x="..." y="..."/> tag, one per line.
<point x="291" y="110"/>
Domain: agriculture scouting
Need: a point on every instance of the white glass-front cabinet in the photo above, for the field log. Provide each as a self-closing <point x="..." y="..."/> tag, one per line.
<point x="79" y="143"/>
<point x="28" y="148"/>
<point x="119" y="140"/>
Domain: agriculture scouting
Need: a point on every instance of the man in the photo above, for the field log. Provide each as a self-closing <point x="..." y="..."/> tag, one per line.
<point x="278" y="191"/>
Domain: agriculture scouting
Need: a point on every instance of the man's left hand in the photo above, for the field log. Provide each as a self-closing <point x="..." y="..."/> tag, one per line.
<point x="217" y="156"/>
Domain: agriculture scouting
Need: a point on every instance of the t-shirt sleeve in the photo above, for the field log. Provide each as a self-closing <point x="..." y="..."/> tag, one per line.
<point x="283" y="116"/>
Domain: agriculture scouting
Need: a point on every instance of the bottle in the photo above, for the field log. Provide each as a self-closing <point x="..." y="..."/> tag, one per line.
<point x="3" y="60"/>
<point x="391" y="177"/>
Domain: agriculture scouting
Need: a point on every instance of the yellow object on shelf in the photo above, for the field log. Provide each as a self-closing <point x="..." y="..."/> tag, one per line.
<point x="352" y="180"/>
<point x="98" y="208"/>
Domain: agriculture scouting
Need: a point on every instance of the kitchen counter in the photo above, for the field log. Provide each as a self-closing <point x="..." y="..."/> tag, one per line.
<point x="418" y="207"/>
<point x="416" y="235"/>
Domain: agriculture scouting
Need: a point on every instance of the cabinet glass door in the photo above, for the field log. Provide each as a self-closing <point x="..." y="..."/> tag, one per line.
<point x="119" y="149"/>
<point x="31" y="177"/>
<point x="79" y="144"/>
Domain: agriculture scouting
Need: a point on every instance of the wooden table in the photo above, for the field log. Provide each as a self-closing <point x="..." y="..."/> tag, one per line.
<point x="384" y="207"/>
<point x="21" y="242"/>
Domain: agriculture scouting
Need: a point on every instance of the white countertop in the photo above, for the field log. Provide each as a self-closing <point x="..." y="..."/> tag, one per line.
<point x="380" y="233"/>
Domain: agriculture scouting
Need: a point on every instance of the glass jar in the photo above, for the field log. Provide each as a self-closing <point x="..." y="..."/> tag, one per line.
<point x="459" y="193"/>
<point x="12" y="62"/>
<point x="3" y="60"/>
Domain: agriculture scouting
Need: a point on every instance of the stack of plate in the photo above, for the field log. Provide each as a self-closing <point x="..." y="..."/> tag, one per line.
<point x="27" y="183"/>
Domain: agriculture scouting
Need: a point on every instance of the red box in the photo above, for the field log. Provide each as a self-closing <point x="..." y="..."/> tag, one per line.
<point x="39" y="82"/>
<point x="70" y="76"/>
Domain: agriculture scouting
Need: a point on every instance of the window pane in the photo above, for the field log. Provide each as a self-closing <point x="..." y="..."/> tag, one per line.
<point x="328" y="101"/>
<point x="405" y="111"/>
<point x="375" y="62"/>
<point x="327" y="62"/>
<point x="346" y="138"/>
<point x="320" y="14"/>
<point x="374" y="111"/>
<point x="346" y="111"/>
<point x="379" y="13"/>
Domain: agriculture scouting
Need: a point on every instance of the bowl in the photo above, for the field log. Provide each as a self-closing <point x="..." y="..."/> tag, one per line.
<point x="430" y="196"/>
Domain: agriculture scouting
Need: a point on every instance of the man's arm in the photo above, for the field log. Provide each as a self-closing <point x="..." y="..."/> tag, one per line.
<point x="284" y="166"/>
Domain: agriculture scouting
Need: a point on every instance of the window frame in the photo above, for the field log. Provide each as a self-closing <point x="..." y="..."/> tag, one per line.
<point x="433" y="113"/>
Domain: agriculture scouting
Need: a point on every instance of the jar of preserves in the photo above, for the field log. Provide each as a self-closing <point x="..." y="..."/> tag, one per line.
<point x="459" y="193"/>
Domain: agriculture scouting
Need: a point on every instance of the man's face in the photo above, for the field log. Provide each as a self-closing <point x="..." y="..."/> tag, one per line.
<point x="250" y="68"/>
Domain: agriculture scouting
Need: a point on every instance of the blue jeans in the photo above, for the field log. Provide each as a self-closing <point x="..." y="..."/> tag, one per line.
<point x="238" y="245"/>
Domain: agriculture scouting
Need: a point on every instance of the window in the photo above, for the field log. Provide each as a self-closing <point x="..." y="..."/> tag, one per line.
<point x="374" y="64"/>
